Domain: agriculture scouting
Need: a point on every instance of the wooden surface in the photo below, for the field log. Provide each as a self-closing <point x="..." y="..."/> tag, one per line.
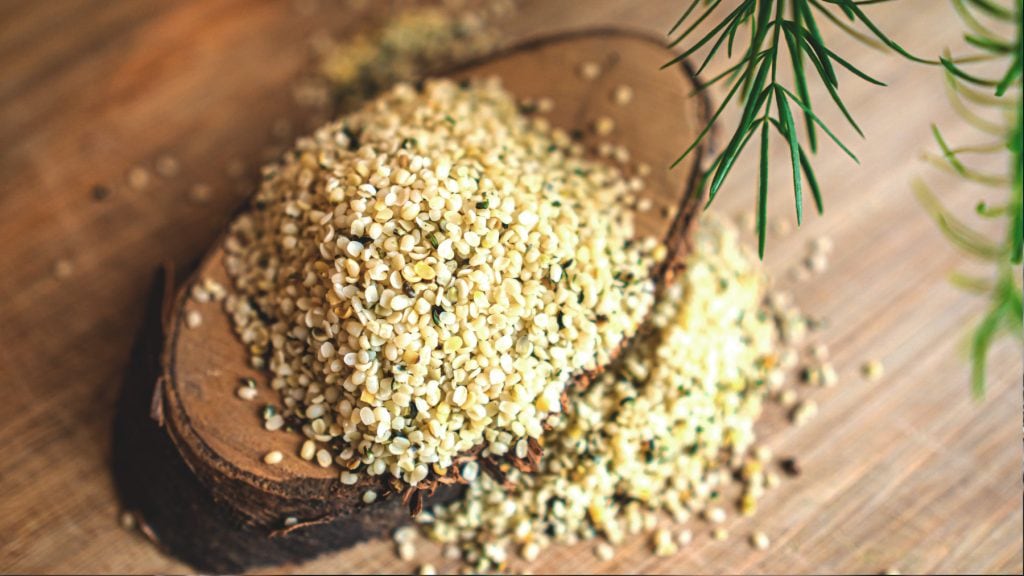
<point x="906" y="472"/>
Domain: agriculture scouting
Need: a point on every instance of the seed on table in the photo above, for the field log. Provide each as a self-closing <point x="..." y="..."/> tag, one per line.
<point x="369" y="497"/>
<point x="128" y="520"/>
<point x="246" y="393"/>
<point x="715" y="515"/>
<point x="603" y="126"/>
<point x="308" y="450"/>
<point x="545" y="105"/>
<point x="193" y="319"/>
<point x="428" y="570"/>
<point x="873" y="370"/>
<point x="167" y="166"/>
<point x="604" y="551"/>
<point x="804" y="412"/>
<point x="685" y="537"/>
<point x="589" y="70"/>
<point x="720" y="534"/>
<point x="622" y="95"/>
<point x="530" y="551"/>
<point x="759" y="540"/>
<point x="407" y="551"/>
<point x="323" y="458"/>
<point x="273" y="457"/>
<point x="138" y="177"/>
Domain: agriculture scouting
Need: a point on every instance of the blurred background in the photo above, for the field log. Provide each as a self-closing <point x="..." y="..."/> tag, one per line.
<point x="131" y="131"/>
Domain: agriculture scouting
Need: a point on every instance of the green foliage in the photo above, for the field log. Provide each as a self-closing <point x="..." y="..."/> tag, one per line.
<point x="774" y="27"/>
<point x="972" y="94"/>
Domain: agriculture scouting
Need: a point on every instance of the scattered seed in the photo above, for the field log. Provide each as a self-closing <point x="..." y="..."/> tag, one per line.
<point x="407" y="551"/>
<point x="604" y="551"/>
<point x="369" y="497"/>
<point x="715" y="515"/>
<point x="603" y="126"/>
<point x="872" y="370"/>
<point x="759" y="540"/>
<point x="804" y="412"/>
<point x="428" y="570"/>
<point x="167" y="166"/>
<point x="308" y="450"/>
<point x="273" y="457"/>
<point x="720" y="534"/>
<point x="589" y="70"/>
<point x="138" y="177"/>
<point x="128" y="520"/>
<point x="193" y="319"/>
<point x="685" y="537"/>
<point x="545" y="105"/>
<point x="246" y="393"/>
<point x="323" y="458"/>
<point x="622" y="95"/>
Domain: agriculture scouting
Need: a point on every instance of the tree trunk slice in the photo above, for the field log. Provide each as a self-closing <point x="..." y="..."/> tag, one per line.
<point x="188" y="453"/>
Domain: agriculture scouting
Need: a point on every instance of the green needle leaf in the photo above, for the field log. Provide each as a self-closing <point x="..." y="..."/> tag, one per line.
<point x="794" y="153"/>
<point x="762" y="195"/>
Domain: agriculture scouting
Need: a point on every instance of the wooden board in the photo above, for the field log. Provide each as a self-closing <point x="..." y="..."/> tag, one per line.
<point x="906" y="472"/>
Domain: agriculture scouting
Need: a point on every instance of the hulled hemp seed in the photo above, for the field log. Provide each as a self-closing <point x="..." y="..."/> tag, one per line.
<point x="653" y="433"/>
<point x="425" y="276"/>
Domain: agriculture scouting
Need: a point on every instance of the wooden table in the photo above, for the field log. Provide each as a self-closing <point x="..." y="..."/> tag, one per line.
<point x="906" y="472"/>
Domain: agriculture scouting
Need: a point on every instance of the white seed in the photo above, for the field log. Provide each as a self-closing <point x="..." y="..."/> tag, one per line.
<point x="193" y="319"/>
<point x="759" y="540"/>
<point x="369" y="497"/>
<point x="273" y="457"/>
<point x="622" y="95"/>
<point x="604" y="551"/>
<point x="246" y="393"/>
<point x="589" y="70"/>
<point x="308" y="450"/>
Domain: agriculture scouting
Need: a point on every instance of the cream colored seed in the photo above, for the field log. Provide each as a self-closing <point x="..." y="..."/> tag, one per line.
<point x="759" y="540"/>
<point x="308" y="450"/>
<point x="138" y="177"/>
<point x="622" y="95"/>
<point x="428" y="570"/>
<point x="589" y="70"/>
<point x="273" y="457"/>
<point x="193" y="319"/>
<point x="720" y="534"/>
<point x="804" y="412"/>
<point x="603" y="126"/>
<point x="604" y="551"/>
<point x="369" y="497"/>
<point x="246" y="393"/>
<point x="323" y="458"/>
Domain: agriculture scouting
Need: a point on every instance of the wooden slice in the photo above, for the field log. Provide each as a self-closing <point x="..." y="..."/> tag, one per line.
<point x="189" y="454"/>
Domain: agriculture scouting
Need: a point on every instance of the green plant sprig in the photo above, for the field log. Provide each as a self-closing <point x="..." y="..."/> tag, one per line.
<point x="776" y="26"/>
<point x="971" y="93"/>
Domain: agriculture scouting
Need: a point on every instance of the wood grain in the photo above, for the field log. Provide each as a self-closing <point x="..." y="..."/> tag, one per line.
<point x="906" y="472"/>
